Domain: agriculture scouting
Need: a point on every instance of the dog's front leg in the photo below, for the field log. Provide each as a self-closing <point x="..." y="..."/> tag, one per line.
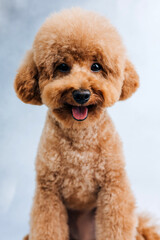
<point x="115" y="216"/>
<point x="48" y="216"/>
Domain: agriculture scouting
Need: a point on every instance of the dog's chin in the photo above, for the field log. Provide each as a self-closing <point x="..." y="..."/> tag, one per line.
<point x="71" y="115"/>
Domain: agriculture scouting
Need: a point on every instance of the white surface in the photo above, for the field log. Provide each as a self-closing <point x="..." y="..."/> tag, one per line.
<point x="137" y="120"/>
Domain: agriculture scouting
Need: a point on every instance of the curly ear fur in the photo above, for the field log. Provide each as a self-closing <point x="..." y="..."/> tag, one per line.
<point x="131" y="81"/>
<point x="26" y="81"/>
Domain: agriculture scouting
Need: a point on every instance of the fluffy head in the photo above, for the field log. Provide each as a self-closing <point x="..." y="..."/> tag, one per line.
<point x="77" y="38"/>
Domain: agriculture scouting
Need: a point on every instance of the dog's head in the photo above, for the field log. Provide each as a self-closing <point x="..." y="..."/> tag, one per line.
<point x="77" y="67"/>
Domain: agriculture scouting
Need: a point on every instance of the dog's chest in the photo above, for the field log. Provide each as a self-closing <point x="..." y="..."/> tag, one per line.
<point x="81" y="172"/>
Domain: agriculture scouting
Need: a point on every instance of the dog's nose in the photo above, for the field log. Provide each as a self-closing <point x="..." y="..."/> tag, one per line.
<point x="81" y="96"/>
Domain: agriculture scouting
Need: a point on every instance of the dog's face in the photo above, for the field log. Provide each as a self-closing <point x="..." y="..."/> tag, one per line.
<point x="77" y="67"/>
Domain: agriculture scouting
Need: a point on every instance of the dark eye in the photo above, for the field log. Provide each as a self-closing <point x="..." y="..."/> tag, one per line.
<point x="96" y="67"/>
<point x="63" y="67"/>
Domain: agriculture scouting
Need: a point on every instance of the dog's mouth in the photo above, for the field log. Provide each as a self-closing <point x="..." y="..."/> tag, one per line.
<point x="79" y="113"/>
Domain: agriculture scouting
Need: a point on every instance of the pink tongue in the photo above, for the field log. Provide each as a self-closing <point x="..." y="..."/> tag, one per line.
<point x="80" y="113"/>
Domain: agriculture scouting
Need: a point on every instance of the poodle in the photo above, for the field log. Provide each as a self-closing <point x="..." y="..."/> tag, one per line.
<point x="78" y="67"/>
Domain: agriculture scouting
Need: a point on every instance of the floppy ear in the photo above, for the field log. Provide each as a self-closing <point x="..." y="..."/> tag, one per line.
<point x="26" y="81"/>
<point x="131" y="81"/>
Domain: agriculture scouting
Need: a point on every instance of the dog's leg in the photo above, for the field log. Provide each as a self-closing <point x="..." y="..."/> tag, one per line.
<point x="115" y="216"/>
<point x="48" y="216"/>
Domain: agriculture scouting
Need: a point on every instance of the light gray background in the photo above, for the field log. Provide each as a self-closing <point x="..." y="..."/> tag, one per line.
<point x="137" y="119"/>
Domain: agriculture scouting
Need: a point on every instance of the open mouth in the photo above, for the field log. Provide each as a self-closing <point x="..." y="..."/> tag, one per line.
<point x="79" y="113"/>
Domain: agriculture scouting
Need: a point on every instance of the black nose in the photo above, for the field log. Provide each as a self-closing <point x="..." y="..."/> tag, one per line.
<point x="81" y="96"/>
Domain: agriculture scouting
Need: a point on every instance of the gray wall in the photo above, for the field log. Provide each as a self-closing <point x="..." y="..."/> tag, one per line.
<point x="137" y="119"/>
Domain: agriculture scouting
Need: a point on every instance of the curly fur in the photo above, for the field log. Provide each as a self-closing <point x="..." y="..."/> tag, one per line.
<point x="82" y="190"/>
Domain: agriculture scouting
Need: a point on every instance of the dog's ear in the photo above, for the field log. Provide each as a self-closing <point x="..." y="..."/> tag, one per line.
<point x="131" y="81"/>
<point x="26" y="81"/>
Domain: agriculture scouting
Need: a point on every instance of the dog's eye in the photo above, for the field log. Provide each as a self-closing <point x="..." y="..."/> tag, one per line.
<point x="96" y="67"/>
<point x="63" y="67"/>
